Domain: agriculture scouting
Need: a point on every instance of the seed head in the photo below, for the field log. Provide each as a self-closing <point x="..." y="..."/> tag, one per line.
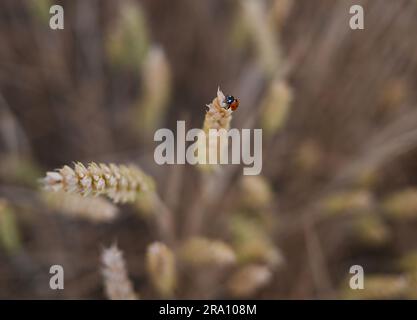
<point x="160" y="262"/>
<point x="120" y="183"/>
<point x="116" y="280"/>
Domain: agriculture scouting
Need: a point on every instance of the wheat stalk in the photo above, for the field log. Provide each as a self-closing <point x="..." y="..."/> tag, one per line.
<point x="217" y="117"/>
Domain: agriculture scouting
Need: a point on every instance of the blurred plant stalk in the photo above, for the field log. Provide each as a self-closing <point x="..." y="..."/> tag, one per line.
<point x="9" y="230"/>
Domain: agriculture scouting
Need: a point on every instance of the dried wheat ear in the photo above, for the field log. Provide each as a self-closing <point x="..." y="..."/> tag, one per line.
<point x="120" y="183"/>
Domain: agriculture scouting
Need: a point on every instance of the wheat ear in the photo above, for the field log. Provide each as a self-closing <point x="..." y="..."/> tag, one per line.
<point x="247" y="280"/>
<point x="217" y="117"/>
<point x="116" y="280"/>
<point x="120" y="183"/>
<point x="152" y="106"/>
<point x="160" y="263"/>
<point x="199" y="251"/>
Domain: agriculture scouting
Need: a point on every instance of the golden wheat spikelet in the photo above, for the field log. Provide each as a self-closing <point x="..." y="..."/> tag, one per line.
<point x="370" y="229"/>
<point x="160" y="262"/>
<point x="252" y="243"/>
<point x="257" y="190"/>
<point x="116" y="281"/>
<point x="248" y="279"/>
<point x="199" y="251"/>
<point x="217" y="117"/>
<point x="353" y="201"/>
<point x="151" y="107"/>
<point x="120" y="183"/>
<point x="401" y="205"/>
<point x="254" y="16"/>
<point x="128" y="41"/>
<point x="276" y="106"/>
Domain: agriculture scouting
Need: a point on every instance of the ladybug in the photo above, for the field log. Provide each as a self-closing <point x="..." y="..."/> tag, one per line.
<point x="231" y="103"/>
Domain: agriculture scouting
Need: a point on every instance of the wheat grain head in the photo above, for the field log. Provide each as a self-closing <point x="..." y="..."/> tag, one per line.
<point x="116" y="281"/>
<point x="120" y="183"/>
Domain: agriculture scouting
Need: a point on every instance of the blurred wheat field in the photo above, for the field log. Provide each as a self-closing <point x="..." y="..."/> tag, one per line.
<point x="339" y="180"/>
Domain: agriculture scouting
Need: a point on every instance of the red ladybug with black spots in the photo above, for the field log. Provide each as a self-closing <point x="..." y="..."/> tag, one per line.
<point x="231" y="103"/>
